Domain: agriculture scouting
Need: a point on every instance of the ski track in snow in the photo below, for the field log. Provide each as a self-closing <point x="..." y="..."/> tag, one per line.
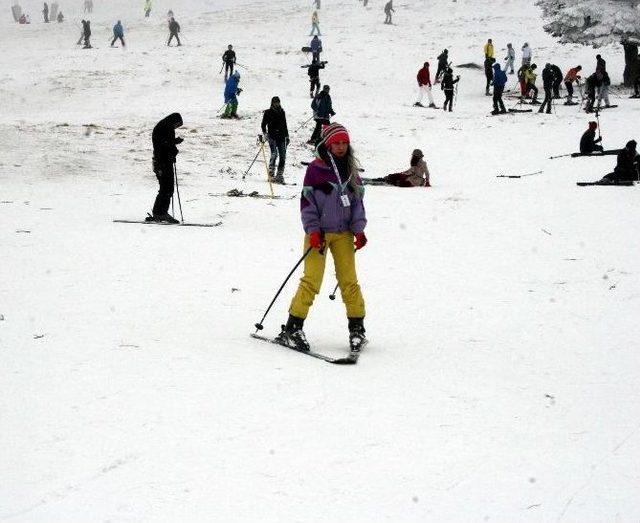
<point x="500" y="383"/>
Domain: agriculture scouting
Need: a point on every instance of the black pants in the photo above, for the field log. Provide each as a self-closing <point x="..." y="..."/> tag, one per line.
<point x="164" y="173"/>
<point x="448" y="99"/>
<point x="87" y="42"/>
<point x="636" y="86"/>
<point x="547" y="100"/>
<point x="498" y="104"/>
<point x="387" y="20"/>
<point x="531" y="87"/>
<point x="171" y="38"/>
<point x="114" y="40"/>
<point x="556" y="88"/>
<point x="569" y="86"/>
<point x="315" y="85"/>
<point x="315" y="137"/>
<point x="228" y="69"/>
<point x="489" y="77"/>
<point x="315" y="56"/>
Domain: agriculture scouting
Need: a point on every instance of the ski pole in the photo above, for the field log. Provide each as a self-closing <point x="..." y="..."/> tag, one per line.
<point x="266" y="165"/>
<point x="259" y="326"/>
<point x="559" y="156"/>
<point x="251" y="165"/>
<point x="598" y="119"/>
<point x="303" y="125"/>
<point x="221" y="67"/>
<point x="175" y="170"/>
<point x="332" y="296"/>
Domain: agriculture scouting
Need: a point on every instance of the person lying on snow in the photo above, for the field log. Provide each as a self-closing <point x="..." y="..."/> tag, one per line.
<point x="416" y="176"/>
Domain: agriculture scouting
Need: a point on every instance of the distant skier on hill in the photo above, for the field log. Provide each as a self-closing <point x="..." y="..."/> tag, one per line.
<point x="547" y="85"/>
<point x="231" y="92"/>
<point x="322" y="112"/>
<point x="174" y="29"/>
<point x="147" y="8"/>
<point x="60" y="17"/>
<point x="488" y="73"/>
<point x="526" y="54"/>
<point x="448" y="86"/>
<point x="424" y="86"/>
<point x="314" y="77"/>
<point x="499" y="81"/>
<point x="274" y="126"/>
<point x="510" y="58"/>
<point x="488" y="49"/>
<point x="530" y="82"/>
<point x="333" y="219"/>
<point x="315" y="24"/>
<point x="164" y="157"/>
<point x="571" y="76"/>
<point x="45" y="13"/>
<point x="589" y="142"/>
<point x="443" y="63"/>
<point x="316" y="48"/>
<point x="118" y="33"/>
<point x="86" y="33"/>
<point x="88" y="6"/>
<point x="229" y="60"/>
<point x="388" y="9"/>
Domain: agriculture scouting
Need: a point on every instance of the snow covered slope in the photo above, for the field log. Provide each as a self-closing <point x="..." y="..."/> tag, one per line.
<point x="501" y="381"/>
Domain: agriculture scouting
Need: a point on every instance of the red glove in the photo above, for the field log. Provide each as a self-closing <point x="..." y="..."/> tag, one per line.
<point x="315" y="239"/>
<point x="361" y="241"/>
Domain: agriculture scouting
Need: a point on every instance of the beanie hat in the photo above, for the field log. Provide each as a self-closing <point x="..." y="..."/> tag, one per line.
<point x="417" y="153"/>
<point x="334" y="133"/>
<point x="426" y="65"/>
<point x="593" y="125"/>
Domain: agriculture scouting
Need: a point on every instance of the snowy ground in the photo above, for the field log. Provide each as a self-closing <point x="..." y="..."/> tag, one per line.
<point x="501" y="381"/>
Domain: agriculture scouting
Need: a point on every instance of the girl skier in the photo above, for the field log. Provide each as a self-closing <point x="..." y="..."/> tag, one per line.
<point x="333" y="218"/>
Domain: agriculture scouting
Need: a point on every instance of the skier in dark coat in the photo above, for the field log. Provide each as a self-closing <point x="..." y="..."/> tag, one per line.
<point x="499" y="81"/>
<point x="488" y="73"/>
<point x="174" y="29"/>
<point x="591" y="83"/>
<point x="45" y="13"/>
<point x="316" y="48"/>
<point x="547" y="84"/>
<point x="118" y="32"/>
<point x="443" y="63"/>
<point x="627" y="166"/>
<point x="557" y="80"/>
<point x="229" y="59"/>
<point x="589" y="142"/>
<point x="164" y="157"/>
<point x="87" y="34"/>
<point x="314" y="77"/>
<point x="274" y="125"/>
<point x="388" y="9"/>
<point x="322" y="113"/>
<point x="447" y="86"/>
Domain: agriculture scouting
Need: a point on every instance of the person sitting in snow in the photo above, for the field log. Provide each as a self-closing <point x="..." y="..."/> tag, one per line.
<point x="416" y="176"/>
<point x="627" y="166"/>
<point x="589" y="142"/>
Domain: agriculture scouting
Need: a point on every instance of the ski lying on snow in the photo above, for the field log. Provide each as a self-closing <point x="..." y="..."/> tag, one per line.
<point x="167" y="223"/>
<point x="617" y="184"/>
<point x="352" y="359"/>
<point x="520" y="110"/>
<point x="597" y="153"/>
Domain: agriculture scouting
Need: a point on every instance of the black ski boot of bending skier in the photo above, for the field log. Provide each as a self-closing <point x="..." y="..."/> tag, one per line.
<point x="293" y="336"/>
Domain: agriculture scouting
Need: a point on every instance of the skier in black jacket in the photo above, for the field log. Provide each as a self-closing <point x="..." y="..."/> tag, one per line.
<point x="164" y="157"/>
<point x="322" y="112"/>
<point x="488" y="73"/>
<point x="274" y="125"/>
<point x="627" y="166"/>
<point x="557" y="80"/>
<point x="229" y="59"/>
<point x="314" y="77"/>
<point x="448" y="86"/>
<point x="443" y="62"/>
<point x="547" y="84"/>
<point x="174" y="29"/>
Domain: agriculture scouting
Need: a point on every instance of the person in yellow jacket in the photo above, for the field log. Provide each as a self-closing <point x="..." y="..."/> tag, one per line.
<point x="488" y="49"/>
<point x="530" y="80"/>
<point x="315" y="23"/>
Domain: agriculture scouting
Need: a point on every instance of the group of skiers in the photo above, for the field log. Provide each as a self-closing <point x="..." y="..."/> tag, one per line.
<point x="448" y="86"/>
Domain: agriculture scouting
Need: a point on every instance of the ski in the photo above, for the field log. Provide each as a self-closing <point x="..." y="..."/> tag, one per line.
<point x="597" y="153"/>
<point x="349" y="360"/>
<point x="426" y="106"/>
<point x="235" y="193"/>
<point x="167" y="223"/>
<point x="607" y="184"/>
<point x="520" y="110"/>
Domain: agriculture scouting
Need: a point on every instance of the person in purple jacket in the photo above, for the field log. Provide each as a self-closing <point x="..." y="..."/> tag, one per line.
<point x="334" y="219"/>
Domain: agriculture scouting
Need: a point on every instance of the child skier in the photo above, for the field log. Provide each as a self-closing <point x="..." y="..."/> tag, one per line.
<point x="231" y="92"/>
<point x="334" y="219"/>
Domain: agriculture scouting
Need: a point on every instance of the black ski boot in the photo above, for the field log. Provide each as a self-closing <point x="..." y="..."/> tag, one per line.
<point x="163" y="218"/>
<point x="357" y="339"/>
<point x="293" y="336"/>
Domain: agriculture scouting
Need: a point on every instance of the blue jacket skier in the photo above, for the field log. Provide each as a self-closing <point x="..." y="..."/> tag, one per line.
<point x="499" y="81"/>
<point x="231" y="92"/>
<point x="118" y="33"/>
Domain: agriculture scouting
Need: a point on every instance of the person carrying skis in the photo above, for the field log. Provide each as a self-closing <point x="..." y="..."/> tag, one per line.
<point x="530" y="82"/>
<point x="388" y="9"/>
<point x="118" y="32"/>
<point x="488" y="73"/>
<point x="45" y="13"/>
<point x="174" y="29"/>
<point x="627" y="167"/>
<point x="231" y="92"/>
<point x="526" y="54"/>
<point x="571" y="76"/>
<point x="416" y="176"/>
<point x="229" y="60"/>
<point x="547" y="85"/>
<point x="274" y="126"/>
<point x="510" y="58"/>
<point x="589" y="142"/>
<point x="315" y="24"/>
<point x="316" y="48"/>
<point x="443" y="63"/>
<point x="164" y="157"/>
<point x="488" y="49"/>
<point x="557" y="80"/>
<point x="424" y="86"/>
<point x="314" y="77"/>
<point x="322" y="113"/>
<point x="499" y="81"/>
<point x="333" y="219"/>
<point x="447" y="86"/>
